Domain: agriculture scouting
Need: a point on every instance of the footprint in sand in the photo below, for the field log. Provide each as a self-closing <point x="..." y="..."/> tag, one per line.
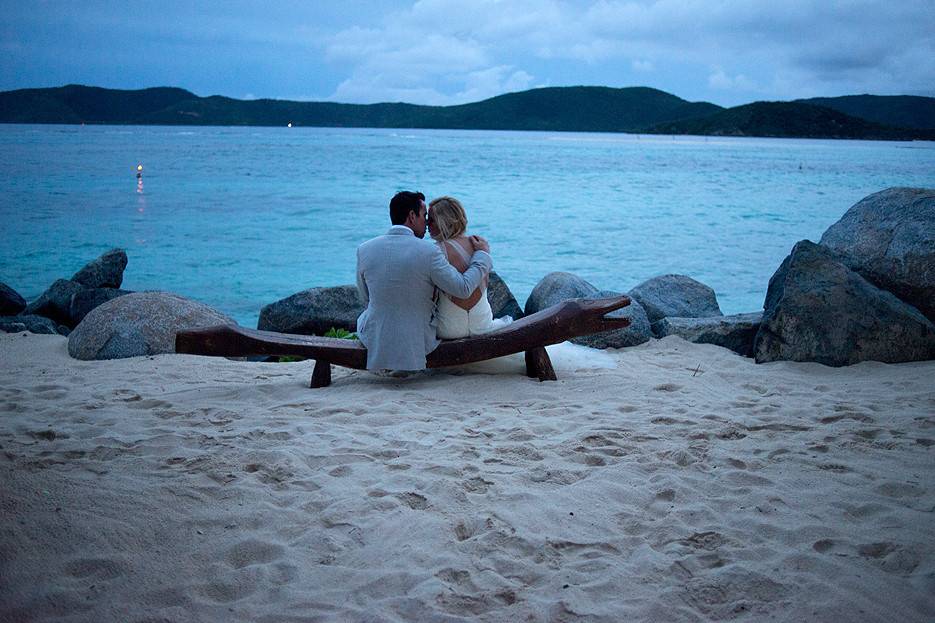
<point x="476" y="485"/>
<point x="96" y="568"/>
<point x="471" y="527"/>
<point x="253" y="552"/>
<point x="900" y="490"/>
<point x="413" y="500"/>
<point x="890" y="557"/>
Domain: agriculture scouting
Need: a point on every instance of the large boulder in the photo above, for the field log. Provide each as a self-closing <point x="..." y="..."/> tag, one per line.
<point x="501" y="299"/>
<point x="557" y="287"/>
<point x="31" y="323"/>
<point x="817" y="309"/>
<point x="84" y="301"/>
<point x="11" y="303"/>
<point x="313" y="311"/>
<point x="142" y="323"/>
<point x="55" y="303"/>
<point x="889" y="238"/>
<point x="675" y="295"/>
<point x="735" y="332"/>
<point x="104" y="272"/>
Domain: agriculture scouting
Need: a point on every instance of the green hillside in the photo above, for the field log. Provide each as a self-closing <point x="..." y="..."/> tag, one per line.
<point x="592" y="109"/>
<point x="570" y="109"/>
<point x="788" y="120"/>
<point x="901" y="111"/>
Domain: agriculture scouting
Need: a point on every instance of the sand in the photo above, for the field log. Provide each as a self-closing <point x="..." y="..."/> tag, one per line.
<point x="685" y="484"/>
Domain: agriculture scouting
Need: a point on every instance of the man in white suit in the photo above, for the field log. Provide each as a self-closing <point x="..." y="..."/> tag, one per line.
<point x="397" y="274"/>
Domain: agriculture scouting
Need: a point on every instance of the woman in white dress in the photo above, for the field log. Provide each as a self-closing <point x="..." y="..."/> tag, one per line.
<point x="456" y="317"/>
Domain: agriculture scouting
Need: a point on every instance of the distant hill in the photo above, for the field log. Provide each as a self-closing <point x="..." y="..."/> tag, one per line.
<point x="789" y="120"/>
<point x="586" y="109"/>
<point x="900" y="111"/>
<point x="81" y="104"/>
<point x="572" y="109"/>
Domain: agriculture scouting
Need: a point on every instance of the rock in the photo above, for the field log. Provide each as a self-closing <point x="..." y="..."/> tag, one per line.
<point x="675" y="295"/>
<point x="735" y="332"/>
<point x="817" y="309"/>
<point x="104" y="272"/>
<point x="141" y="323"/>
<point x="557" y="287"/>
<point x="55" y="303"/>
<point x="313" y="311"/>
<point x="501" y="299"/>
<point x="11" y="303"/>
<point x="31" y="323"/>
<point x="889" y="238"/>
<point x="86" y="300"/>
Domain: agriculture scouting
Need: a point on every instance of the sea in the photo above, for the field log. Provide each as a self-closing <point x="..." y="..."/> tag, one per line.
<point x="239" y="217"/>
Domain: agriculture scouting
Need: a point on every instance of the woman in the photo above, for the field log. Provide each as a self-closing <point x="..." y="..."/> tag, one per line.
<point x="456" y="317"/>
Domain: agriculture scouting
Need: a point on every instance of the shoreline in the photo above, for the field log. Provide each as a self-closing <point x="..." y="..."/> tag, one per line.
<point x="687" y="482"/>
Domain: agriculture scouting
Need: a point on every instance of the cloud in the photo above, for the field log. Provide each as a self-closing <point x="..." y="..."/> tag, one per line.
<point x="451" y="51"/>
<point x="721" y="81"/>
<point x="642" y="65"/>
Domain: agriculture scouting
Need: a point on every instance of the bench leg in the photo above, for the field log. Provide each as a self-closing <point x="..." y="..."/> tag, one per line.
<point x="538" y="364"/>
<point x="321" y="375"/>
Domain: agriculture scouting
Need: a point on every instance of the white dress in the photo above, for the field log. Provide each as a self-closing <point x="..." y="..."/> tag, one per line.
<point x="453" y="322"/>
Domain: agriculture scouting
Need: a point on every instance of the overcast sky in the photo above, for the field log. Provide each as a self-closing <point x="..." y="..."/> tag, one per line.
<point x="453" y="51"/>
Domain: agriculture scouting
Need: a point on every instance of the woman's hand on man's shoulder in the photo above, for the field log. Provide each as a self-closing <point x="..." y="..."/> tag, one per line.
<point x="479" y="243"/>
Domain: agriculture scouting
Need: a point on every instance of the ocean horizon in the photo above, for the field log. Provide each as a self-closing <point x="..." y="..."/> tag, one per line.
<point x="239" y="217"/>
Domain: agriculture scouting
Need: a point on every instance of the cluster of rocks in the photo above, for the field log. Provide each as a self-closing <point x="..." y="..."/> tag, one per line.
<point x="101" y="320"/>
<point x="865" y="292"/>
<point x="67" y="301"/>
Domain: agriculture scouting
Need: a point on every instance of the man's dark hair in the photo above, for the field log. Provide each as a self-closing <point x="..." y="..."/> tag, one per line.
<point x="402" y="204"/>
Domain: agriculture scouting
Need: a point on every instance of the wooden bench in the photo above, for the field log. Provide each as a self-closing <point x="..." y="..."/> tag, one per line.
<point x="531" y="334"/>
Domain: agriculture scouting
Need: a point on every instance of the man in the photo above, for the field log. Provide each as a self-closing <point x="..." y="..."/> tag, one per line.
<point x="397" y="274"/>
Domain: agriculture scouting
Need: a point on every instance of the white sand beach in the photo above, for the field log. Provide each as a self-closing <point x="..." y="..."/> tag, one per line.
<point x="686" y="484"/>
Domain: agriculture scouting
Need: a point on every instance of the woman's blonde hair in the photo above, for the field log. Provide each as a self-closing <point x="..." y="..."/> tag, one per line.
<point x="449" y="217"/>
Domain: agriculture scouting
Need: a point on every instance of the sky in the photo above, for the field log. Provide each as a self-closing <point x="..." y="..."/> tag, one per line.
<point x="444" y="52"/>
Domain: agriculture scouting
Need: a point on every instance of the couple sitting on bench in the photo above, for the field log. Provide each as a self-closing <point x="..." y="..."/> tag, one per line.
<point x="416" y="294"/>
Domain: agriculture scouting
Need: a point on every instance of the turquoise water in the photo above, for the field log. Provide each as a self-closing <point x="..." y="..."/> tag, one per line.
<point x="241" y="217"/>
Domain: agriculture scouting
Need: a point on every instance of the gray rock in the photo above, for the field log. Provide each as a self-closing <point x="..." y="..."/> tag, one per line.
<point x="31" y="323"/>
<point x="86" y="300"/>
<point x="55" y="303"/>
<point x="735" y="332"/>
<point x="557" y="287"/>
<point x="889" y="238"/>
<point x="817" y="309"/>
<point x="676" y="295"/>
<point x="11" y="303"/>
<point x="104" y="272"/>
<point x="142" y="323"/>
<point x="501" y="299"/>
<point x="313" y="311"/>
